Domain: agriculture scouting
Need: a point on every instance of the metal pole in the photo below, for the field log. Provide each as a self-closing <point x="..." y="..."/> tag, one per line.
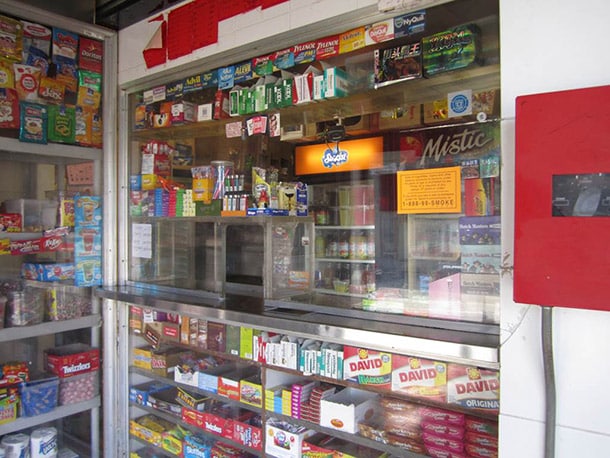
<point x="549" y="379"/>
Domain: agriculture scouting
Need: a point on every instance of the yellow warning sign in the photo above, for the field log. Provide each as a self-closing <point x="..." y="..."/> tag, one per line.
<point x="430" y="190"/>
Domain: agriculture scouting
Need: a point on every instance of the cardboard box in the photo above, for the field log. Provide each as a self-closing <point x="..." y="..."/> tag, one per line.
<point x="251" y="391"/>
<point x="284" y="440"/>
<point x="72" y="359"/>
<point x="183" y="112"/>
<point x="170" y="332"/>
<point x="193" y="417"/>
<point x="190" y="400"/>
<point x="473" y="388"/>
<point x="139" y="394"/>
<point x="163" y="362"/>
<point x="248" y="435"/>
<point x="233" y="339"/>
<point x="142" y="358"/>
<point x="205" y="112"/>
<point x="209" y="379"/>
<point x="367" y="367"/>
<point x="228" y="383"/>
<point x="345" y="409"/>
<point x="419" y="377"/>
<point x="336" y="83"/>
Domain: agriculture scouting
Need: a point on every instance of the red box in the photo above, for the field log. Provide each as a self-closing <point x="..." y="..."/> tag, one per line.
<point x="217" y="425"/>
<point x="73" y="359"/>
<point x="10" y="222"/>
<point x="473" y="388"/>
<point x="367" y="367"/>
<point x="419" y="377"/>
<point x="247" y="435"/>
<point x="193" y="417"/>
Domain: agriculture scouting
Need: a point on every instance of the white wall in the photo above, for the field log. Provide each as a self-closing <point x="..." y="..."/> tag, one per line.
<point x="246" y="34"/>
<point x="549" y="45"/>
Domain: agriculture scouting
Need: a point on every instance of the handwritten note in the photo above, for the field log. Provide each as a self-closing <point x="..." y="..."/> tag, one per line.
<point x="141" y="242"/>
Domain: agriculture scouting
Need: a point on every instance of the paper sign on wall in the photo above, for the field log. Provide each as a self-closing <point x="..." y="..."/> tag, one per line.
<point x="430" y="190"/>
<point x="141" y="243"/>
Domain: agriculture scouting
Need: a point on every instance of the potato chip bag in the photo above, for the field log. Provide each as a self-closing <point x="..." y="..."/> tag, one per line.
<point x="38" y="37"/>
<point x="62" y="123"/>
<point x="97" y="130"/>
<point x="51" y="90"/>
<point x="9" y="109"/>
<point x="34" y="119"/>
<point x="7" y="75"/>
<point x="11" y="39"/>
<point x="27" y="81"/>
<point x="83" y="126"/>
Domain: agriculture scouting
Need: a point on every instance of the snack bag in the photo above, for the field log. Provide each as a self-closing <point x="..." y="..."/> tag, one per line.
<point x="33" y="122"/>
<point x="9" y="109"/>
<point x="7" y="76"/>
<point x="11" y="44"/>
<point x="51" y="90"/>
<point x="61" y="126"/>
<point x="27" y="81"/>
<point x="97" y="129"/>
<point x="65" y="44"/>
<point x="36" y="37"/>
<point x="83" y="125"/>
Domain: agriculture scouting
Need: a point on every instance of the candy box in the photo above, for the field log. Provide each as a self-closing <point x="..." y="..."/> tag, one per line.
<point x="72" y="359"/>
<point x="79" y="388"/>
<point x="10" y="222"/>
<point x="345" y="409"/>
<point x="142" y="357"/>
<point x="251" y="391"/>
<point x="163" y="362"/>
<point x="38" y="396"/>
<point x="139" y="394"/>
<point x="452" y="49"/>
<point x="246" y="433"/>
<point x="150" y="428"/>
<point x="191" y="400"/>
<point x="229" y="383"/>
<point x="284" y="440"/>
<point x="47" y="272"/>
<point x="165" y="401"/>
<point x="36" y="214"/>
<point x="9" y="403"/>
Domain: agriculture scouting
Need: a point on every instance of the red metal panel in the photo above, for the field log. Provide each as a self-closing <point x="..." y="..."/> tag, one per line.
<point x="560" y="261"/>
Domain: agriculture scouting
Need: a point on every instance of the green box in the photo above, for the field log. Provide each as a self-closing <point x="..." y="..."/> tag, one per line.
<point x="212" y="209"/>
<point x="233" y="335"/>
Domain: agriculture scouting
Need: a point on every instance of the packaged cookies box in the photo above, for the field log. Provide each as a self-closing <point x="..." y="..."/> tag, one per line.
<point x="367" y="367"/>
<point x="419" y="377"/>
<point x="473" y="388"/>
<point x="452" y="49"/>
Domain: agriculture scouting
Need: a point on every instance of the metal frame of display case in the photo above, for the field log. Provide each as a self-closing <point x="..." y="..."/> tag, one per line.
<point x="106" y="185"/>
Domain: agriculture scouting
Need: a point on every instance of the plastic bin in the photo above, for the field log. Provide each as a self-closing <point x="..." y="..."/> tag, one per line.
<point x="39" y="396"/>
<point x="36" y="214"/>
<point x="25" y="307"/>
<point x="68" y="302"/>
<point x="78" y="388"/>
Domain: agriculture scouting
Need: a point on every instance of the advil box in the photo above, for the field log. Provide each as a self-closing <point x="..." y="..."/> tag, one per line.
<point x="473" y="388"/>
<point x="419" y="377"/>
<point x="367" y="367"/>
<point x="73" y="359"/>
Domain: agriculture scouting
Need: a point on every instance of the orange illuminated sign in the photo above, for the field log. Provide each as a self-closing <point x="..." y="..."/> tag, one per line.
<point x="346" y="156"/>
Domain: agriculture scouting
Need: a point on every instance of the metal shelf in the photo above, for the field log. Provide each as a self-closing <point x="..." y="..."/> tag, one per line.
<point x="461" y="342"/>
<point x="49" y="327"/>
<point x="50" y="153"/>
<point x="55" y="414"/>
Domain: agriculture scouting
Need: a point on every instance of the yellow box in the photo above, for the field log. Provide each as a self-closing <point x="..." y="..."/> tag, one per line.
<point x="251" y="391"/>
<point x="149" y="182"/>
<point x="142" y="358"/>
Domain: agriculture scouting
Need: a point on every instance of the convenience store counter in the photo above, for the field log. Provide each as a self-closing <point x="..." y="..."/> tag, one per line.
<point x="451" y="341"/>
